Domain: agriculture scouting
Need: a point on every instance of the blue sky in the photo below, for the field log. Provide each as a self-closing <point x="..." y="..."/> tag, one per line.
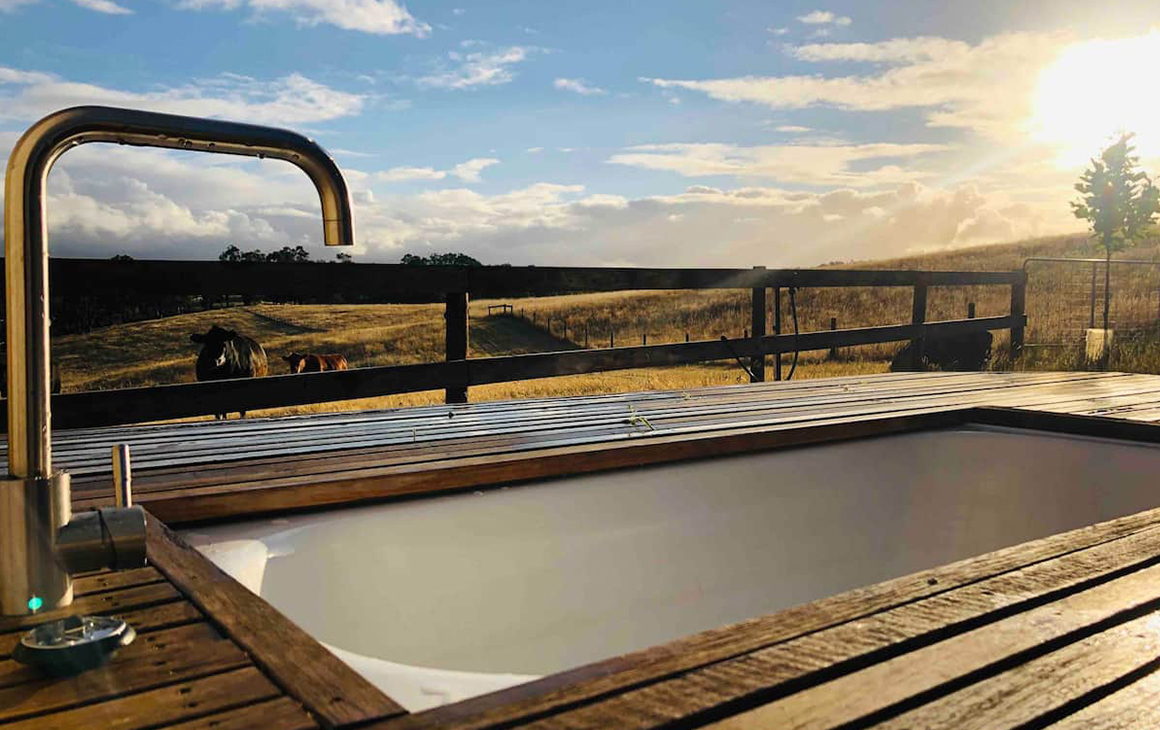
<point x="714" y="132"/>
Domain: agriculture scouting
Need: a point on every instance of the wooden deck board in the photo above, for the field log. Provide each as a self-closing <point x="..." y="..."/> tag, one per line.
<point x="367" y="455"/>
<point x="1060" y="632"/>
<point x="188" y="667"/>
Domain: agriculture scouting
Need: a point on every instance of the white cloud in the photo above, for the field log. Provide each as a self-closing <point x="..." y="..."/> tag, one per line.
<point x="404" y="174"/>
<point x="103" y="6"/>
<point x="747" y="226"/>
<point x="778" y="31"/>
<point x="382" y="17"/>
<point x="923" y="48"/>
<point x="535" y="150"/>
<point x="469" y="171"/>
<point x="292" y="99"/>
<point x="478" y="69"/>
<point x="151" y="203"/>
<point x="579" y="86"/>
<point x="466" y="171"/>
<point x="792" y="129"/>
<point x="793" y="164"/>
<point x="987" y="88"/>
<point x="823" y="17"/>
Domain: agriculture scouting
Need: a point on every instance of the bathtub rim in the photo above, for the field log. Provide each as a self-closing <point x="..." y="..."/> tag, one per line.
<point x="739" y="441"/>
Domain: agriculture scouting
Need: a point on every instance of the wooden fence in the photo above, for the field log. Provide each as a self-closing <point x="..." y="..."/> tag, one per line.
<point x="453" y="285"/>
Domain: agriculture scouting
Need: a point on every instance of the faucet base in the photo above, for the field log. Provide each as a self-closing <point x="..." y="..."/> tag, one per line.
<point x="32" y="578"/>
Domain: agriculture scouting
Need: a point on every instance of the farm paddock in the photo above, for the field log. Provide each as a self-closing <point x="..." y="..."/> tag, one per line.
<point x="1056" y="632"/>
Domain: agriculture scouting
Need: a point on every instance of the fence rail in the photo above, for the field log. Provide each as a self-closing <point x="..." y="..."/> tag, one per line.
<point x="452" y="286"/>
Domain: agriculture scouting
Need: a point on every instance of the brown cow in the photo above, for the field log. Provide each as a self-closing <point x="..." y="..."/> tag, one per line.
<point x="314" y="363"/>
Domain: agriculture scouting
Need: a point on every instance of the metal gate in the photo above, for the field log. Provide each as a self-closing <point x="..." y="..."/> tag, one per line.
<point x="1065" y="298"/>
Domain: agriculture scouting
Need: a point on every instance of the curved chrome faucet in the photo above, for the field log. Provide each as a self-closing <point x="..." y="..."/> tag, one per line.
<point x="35" y="508"/>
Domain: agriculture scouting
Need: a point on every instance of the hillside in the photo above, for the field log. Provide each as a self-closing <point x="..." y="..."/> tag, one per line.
<point x="159" y="351"/>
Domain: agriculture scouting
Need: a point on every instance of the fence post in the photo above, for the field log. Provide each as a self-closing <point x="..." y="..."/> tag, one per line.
<point x="585" y="335"/>
<point x="777" y="331"/>
<point x="833" y="326"/>
<point x="611" y="337"/>
<point x="643" y="338"/>
<point x="1092" y="316"/>
<point x="1018" y="314"/>
<point x="970" y="310"/>
<point x="455" y="340"/>
<point x="757" y="361"/>
<point x="918" y="317"/>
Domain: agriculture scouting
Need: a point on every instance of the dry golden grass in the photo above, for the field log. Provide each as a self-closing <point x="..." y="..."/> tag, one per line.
<point x="159" y="351"/>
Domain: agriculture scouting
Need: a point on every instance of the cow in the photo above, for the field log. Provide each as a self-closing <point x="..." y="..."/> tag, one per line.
<point x="225" y="354"/>
<point x="969" y="351"/>
<point x="311" y="363"/>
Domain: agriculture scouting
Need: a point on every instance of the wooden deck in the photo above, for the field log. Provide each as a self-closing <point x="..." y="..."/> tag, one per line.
<point x="208" y="654"/>
<point x="206" y="470"/>
<point x="1062" y="632"/>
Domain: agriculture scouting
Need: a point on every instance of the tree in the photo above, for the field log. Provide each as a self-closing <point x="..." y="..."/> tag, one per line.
<point x="344" y="258"/>
<point x="440" y="259"/>
<point x="296" y="255"/>
<point x="234" y="255"/>
<point x="1119" y="201"/>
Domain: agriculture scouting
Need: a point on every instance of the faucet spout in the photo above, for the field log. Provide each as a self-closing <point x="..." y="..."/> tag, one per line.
<point x="34" y="502"/>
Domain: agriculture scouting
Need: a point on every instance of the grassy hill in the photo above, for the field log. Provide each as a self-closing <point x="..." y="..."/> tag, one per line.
<point x="159" y="351"/>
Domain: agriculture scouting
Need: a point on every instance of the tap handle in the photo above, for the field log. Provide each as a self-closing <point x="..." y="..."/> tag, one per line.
<point x="122" y="476"/>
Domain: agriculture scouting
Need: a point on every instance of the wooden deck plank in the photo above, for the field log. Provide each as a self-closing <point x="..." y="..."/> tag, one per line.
<point x="1050" y="685"/>
<point x="110" y="581"/>
<point x="166" y="705"/>
<point x="209" y="449"/>
<point x="336" y="465"/>
<point x="988" y="583"/>
<point x="175" y="656"/>
<point x="1135" y="707"/>
<point x="280" y="714"/>
<point x="13" y="673"/>
<point x="165" y="615"/>
<point x="404" y="451"/>
<point x="326" y="686"/>
<point x="99" y="603"/>
<point x="206" y="449"/>
<point x="922" y="671"/>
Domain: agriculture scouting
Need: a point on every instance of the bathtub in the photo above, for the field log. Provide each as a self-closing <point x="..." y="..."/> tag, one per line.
<point x="441" y="598"/>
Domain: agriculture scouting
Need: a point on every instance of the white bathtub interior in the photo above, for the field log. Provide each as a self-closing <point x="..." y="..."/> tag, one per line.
<point x="441" y="598"/>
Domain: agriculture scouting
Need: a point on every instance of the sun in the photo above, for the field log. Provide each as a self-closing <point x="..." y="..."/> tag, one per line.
<point x="1097" y="90"/>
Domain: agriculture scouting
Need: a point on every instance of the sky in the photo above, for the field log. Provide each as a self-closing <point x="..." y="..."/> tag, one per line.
<point x="640" y="132"/>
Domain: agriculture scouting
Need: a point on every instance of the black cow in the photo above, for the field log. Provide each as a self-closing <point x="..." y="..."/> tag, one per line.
<point x="958" y="352"/>
<point x="225" y="354"/>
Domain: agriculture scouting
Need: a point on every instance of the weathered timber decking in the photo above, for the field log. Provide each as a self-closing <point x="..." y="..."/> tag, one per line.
<point x="208" y="654"/>
<point x="1062" y="632"/>
<point x="204" y="470"/>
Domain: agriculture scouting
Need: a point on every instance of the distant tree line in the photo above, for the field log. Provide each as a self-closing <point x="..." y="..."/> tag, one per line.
<point x="76" y="312"/>
<point x="284" y="255"/>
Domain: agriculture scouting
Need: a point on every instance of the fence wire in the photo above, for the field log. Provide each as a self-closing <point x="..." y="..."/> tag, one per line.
<point x="1065" y="298"/>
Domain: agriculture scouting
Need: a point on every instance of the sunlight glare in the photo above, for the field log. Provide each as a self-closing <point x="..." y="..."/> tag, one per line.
<point x="1096" y="90"/>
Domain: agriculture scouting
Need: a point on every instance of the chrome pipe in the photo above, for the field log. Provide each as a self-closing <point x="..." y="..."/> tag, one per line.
<point x="35" y="512"/>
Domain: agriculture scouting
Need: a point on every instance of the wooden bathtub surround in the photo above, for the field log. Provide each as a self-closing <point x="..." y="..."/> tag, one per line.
<point x="203" y="471"/>
<point x="333" y="692"/>
<point x="1060" y="632"/>
<point x="209" y="654"/>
